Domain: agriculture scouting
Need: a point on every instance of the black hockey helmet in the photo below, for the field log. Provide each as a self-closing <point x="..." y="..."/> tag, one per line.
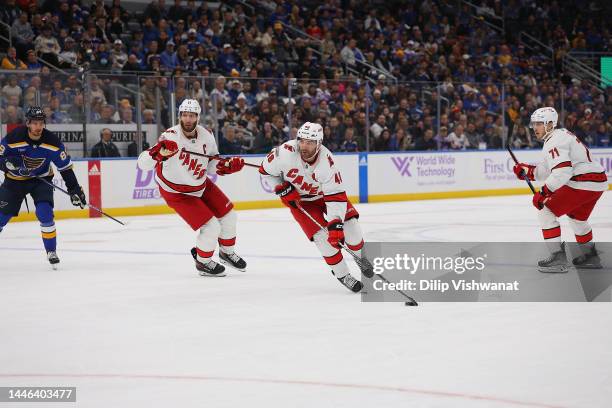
<point x="35" y="113"/>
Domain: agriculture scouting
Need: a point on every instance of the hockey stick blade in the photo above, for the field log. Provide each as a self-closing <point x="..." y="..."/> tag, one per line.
<point x="410" y="302"/>
<point x="93" y="207"/>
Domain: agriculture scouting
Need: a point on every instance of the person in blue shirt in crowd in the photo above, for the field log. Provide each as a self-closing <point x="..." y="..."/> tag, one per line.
<point x="26" y="154"/>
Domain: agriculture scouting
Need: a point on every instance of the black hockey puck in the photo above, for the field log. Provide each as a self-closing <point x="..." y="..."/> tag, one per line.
<point x="411" y="304"/>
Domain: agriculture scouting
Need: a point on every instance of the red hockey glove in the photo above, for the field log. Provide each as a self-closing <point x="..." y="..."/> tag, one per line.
<point x="335" y="229"/>
<point x="229" y="166"/>
<point x="163" y="150"/>
<point x="288" y="194"/>
<point x="522" y="169"/>
<point x="541" y="197"/>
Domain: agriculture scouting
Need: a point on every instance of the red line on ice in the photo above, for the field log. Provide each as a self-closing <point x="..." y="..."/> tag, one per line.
<point x="286" y="382"/>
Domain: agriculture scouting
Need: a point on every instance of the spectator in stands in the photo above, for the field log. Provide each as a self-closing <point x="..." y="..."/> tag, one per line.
<point x="467" y="60"/>
<point x="168" y="58"/>
<point x="378" y="126"/>
<point x="177" y="12"/>
<point x="95" y="91"/>
<point x="132" y="64"/>
<point x="427" y="142"/>
<point x="264" y="141"/>
<point x="156" y="10"/>
<point x="118" y="57"/>
<point x="58" y="115"/>
<point x="68" y="57"/>
<point x="382" y="142"/>
<point x="457" y="139"/>
<point x="12" y="89"/>
<point x="492" y="139"/>
<point x="47" y="46"/>
<point x="229" y="142"/>
<point x="349" y="144"/>
<point x="23" y="35"/>
<point x="105" y="147"/>
<point x="351" y="54"/>
<point x="9" y="12"/>
<point x="126" y="116"/>
<point x="77" y="109"/>
<point x="10" y="116"/>
<point x="228" y="60"/>
<point x="474" y="137"/>
<point x="148" y="117"/>
<point x="106" y="114"/>
<point x="32" y="61"/>
<point x="116" y="24"/>
<point x="11" y="61"/>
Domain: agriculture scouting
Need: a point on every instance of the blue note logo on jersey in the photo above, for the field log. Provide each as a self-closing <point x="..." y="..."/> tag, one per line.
<point x="33" y="163"/>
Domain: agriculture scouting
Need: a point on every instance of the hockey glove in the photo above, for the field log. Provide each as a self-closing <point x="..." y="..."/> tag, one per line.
<point x="163" y="150"/>
<point x="541" y="197"/>
<point x="77" y="197"/>
<point x="229" y="166"/>
<point x="522" y="169"/>
<point x="14" y="163"/>
<point x="335" y="229"/>
<point x="288" y="194"/>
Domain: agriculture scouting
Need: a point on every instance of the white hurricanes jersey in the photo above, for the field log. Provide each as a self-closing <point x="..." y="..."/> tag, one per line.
<point x="569" y="162"/>
<point x="184" y="173"/>
<point x="320" y="180"/>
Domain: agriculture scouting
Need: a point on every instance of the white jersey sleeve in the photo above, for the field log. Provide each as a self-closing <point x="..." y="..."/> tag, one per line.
<point x="212" y="150"/>
<point x="568" y="162"/>
<point x="271" y="168"/>
<point x="184" y="173"/>
<point x="145" y="161"/>
<point x="333" y="189"/>
<point x="320" y="180"/>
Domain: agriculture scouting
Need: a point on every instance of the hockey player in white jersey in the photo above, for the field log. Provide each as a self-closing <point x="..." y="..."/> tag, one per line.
<point x="307" y="179"/>
<point x="184" y="185"/>
<point x="573" y="183"/>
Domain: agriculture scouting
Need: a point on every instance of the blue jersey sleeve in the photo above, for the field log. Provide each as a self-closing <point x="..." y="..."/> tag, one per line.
<point x="5" y="151"/>
<point x="61" y="159"/>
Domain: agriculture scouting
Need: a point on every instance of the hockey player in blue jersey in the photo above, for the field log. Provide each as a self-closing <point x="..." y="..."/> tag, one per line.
<point x="26" y="154"/>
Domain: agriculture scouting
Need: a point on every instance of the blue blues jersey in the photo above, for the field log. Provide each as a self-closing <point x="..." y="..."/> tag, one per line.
<point x="37" y="155"/>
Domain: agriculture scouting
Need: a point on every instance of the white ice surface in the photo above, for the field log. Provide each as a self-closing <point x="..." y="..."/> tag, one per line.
<point x="128" y="321"/>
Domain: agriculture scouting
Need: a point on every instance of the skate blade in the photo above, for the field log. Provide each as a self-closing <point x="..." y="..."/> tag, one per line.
<point x="212" y="275"/>
<point x="54" y="266"/>
<point x="229" y="264"/>
<point x="553" y="269"/>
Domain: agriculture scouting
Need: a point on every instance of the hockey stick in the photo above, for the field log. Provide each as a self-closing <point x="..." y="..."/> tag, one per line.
<point x="215" y="157"/>
<point x="410" y="301"/>
<point x="522" y="170"/>
<point x="93" y="207"/>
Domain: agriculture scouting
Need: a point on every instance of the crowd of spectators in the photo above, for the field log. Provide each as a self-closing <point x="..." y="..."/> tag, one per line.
<point x="431" y="74"/>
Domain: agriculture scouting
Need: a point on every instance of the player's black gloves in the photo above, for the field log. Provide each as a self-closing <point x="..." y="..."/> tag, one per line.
<point x="14" y="164"/>
<point x="77" y="196"/>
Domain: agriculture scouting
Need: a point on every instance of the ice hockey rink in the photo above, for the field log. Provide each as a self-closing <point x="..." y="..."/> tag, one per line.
<point x="127" y="320"/>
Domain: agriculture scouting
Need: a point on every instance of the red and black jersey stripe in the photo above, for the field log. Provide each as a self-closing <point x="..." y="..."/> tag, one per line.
<point x="338" y="197"/>
<point x="181" y="188"/>
<point x="563" y="164"/>
<point x="592" y="177"/>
